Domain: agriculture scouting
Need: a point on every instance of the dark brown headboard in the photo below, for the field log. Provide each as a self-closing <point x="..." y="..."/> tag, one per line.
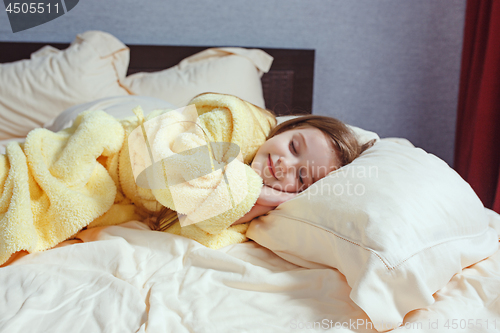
<point x="288" y="86"/>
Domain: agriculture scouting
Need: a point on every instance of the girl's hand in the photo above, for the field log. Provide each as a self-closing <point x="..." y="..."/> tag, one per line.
<point x="271" y="197"/>
<point x="257" y="210"/>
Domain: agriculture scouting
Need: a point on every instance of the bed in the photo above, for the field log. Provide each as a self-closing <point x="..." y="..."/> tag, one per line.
<point x="128" y="278"/>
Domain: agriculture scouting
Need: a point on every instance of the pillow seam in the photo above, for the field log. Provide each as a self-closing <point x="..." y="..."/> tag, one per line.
<point x="338" y="236"/>
<point x="439" y="244"/>
<point x="389" y="267"/>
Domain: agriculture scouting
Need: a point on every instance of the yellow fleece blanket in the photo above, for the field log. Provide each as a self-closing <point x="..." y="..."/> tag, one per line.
<point x="55" y="184"/>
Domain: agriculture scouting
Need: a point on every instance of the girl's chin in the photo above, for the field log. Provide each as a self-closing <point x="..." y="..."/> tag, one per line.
<point x="267" y="183"/>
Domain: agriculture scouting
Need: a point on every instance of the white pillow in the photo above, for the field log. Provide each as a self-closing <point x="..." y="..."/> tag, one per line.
<point x="36" y="90"/>
<point x="229" y="70"/>
<point x="119" y="107"/>
<point x="397" y="222"/>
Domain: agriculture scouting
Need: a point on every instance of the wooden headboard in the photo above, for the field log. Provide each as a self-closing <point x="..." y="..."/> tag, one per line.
<point x="288" y="86"/>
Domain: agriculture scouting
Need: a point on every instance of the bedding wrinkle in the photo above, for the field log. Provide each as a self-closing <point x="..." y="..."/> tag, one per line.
<point x="145" y="317"/>
<point x="186" y="287"/>
<point x="475" y="286"/>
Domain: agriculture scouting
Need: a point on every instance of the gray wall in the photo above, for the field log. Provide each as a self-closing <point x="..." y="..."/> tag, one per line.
<point x="390" y="66"/>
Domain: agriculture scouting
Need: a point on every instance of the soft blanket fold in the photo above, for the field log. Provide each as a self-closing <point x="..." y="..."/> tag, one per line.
<point x="55" y="184"/>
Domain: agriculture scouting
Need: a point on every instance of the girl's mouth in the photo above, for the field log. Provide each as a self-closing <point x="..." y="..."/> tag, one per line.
<point x="271" y="166"/>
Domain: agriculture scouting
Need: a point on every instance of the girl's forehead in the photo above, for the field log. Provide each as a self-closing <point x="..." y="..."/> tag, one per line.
<point x="314" y="133"/>
<point x="304" y="129"/>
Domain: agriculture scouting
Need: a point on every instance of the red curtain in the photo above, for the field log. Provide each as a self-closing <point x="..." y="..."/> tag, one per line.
<point x="477" y="145"/>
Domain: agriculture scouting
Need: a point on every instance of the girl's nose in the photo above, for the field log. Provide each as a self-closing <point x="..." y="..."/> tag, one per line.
<point x="284" y="166"/>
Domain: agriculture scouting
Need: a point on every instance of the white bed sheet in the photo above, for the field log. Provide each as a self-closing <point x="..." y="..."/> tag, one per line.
<point x="128" y="278"/>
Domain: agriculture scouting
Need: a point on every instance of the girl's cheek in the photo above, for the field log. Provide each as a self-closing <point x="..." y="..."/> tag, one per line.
<point x="288" y="185"/>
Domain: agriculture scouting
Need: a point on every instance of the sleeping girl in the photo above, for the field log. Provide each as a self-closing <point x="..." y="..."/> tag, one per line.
<point x="56" y="184"/>
<point x="296" y="154"/>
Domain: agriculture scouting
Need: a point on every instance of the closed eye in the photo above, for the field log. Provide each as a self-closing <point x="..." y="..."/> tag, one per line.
<point x="294" y="150"/>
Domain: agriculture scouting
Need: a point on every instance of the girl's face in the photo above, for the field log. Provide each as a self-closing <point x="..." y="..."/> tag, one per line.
<point x="293" y="160"/>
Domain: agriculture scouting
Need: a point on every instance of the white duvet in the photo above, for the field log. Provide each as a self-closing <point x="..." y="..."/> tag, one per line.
<point x="128" y="278"/>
